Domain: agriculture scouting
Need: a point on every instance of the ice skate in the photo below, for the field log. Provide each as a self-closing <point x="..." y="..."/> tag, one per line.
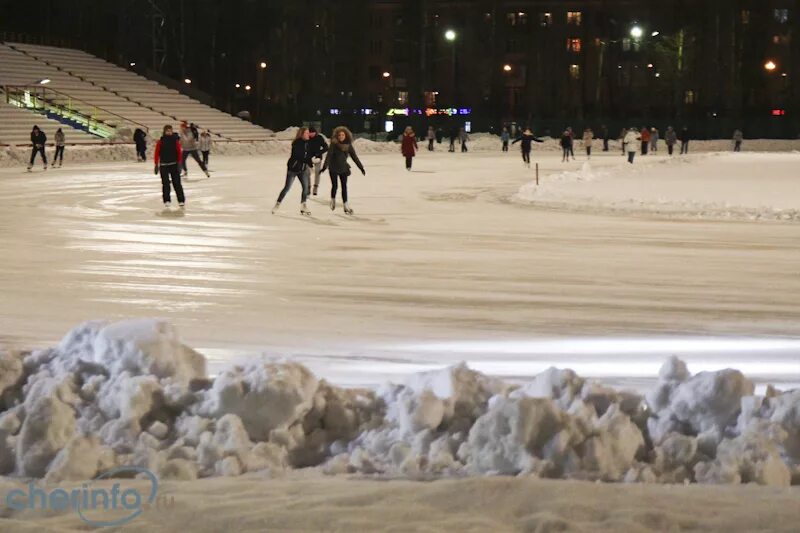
<point x="45" y="167"/>
<point x="277" y="206"/>
<point x="208" y="175"/>
<point x="29" y="169"/>
<point x="333" y="204"/>
<point x="347" y="209"/>
<point x="304" y="210"/>
<point x="167" y="205"/>
<point x="182" y="205"/>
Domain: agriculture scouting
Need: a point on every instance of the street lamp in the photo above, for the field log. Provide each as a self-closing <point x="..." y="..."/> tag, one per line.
<point x="187" y="81"/>
<point x="247" y="87"/>
<point x="637" y="32"/>
<point x="770" y="66"/>
<point x="263" y="64"/>
<point x="238" y="85"/>
<point x="386" y="74"/>
<point x="450" y="35"/>
<point x="655" y="34"/>
<point x="507" y="68"/>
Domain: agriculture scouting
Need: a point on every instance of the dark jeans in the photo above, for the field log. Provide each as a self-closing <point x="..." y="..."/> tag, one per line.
<point x="605" y="145"/>
<point x="684" y="147"/>
<point x="464" y="146"/>
<point x="572" y="151"/>
<point x="645" y="145"/>
<point x="505" y="146"/>
<point x="526" y="156"/>
<point x="589" y="151"/>
<point x="452" y="146"/>
<point x="408" y="162"/>
<point x="565" y="153"/>
<point x="335" y="178"/>
<point x="290" y="176"/>
<point x="737" y="147"/>
<point x="670" y="148"/>
<point x="631" y="155"/>
<point x="37" y="150"/>
<point x="430" y="145"/>
<point x="205" y="157"/>
<point x="59" y="154"/>
<point x="196" y="157"/>
<point x="171" y="173"/>
<point x="141" y="152"/>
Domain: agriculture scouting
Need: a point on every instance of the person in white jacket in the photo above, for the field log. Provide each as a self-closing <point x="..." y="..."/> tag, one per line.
<point x="631" y="141"/>
<point x="588" y="138"/>
<point x="204" y="143"/>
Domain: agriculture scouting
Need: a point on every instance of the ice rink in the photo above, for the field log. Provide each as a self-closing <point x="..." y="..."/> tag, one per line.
<point x="604" y="269"/>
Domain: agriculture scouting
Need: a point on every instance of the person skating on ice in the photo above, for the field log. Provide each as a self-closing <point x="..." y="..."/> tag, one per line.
<point x="566" y="146"/>
<point x="205" y="143"/>
<point x="336" y="161"/>
<point x="654" y="137"/>
<point x="631" y="140"/>
<point x="504" y="138"/>
<point x="588" y="139"/>
<point x="670" y="138"/>
<point x="317" y="148"/>
<point x="463" y="137"/>
<point x="140" y="139"/>
<point x="684" y="139"/>
<point x="189" y="138"/>
<point x="525" y="141"/>
<point x="571" y="142"/>
<point x="298" y="167"/>
<point x="408" y="146"/>
<point x="453" y="137"/>
<point x="38" y="141"/>
<point x="738" y="137"/>
<point x="168" y="157"/>
<point x="60" y="143"/>
<point x="431" y="138"/>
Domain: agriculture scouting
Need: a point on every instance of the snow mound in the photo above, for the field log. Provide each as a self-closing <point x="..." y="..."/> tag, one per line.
<point x="129" y="393"/>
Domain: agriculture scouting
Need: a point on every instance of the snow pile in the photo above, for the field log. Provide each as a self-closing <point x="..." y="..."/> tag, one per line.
<point x="130" y="393"/>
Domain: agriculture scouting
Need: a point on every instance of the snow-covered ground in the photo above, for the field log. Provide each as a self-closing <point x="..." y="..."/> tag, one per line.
<point x="461" y="260"/>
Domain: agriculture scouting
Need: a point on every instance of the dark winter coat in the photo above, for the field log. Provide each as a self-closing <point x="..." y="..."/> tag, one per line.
<point x="139" y="137"/>
<point x="409" y="145"/>
<point x="168" y="150"/>
<point x="38" y="139"/>
<point x="336" y="159"/>
<point x="300" y="157"/>
<point x="317" y="146"/>
<point x="526" y="142"/>
<point x="566" y="140"/>
<point x="684" y="135"/>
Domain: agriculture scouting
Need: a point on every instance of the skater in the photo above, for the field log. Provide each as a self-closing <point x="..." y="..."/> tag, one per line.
<point x="463" y="137"/>
<point x="60" y="143"/>
<point x="604" y="133"/>
<point x="670" y="138"/>
<point x="504" y="137"/>
<point x="317" y="148"/>
<point x="38" y="140"/>
<point x="684" y="139"/>
<point x="431" y="138"/>
<point x="408" y="147"/>
<point x="654" y="136"/>
<point x="622" y="135"/>
<point x="630" y="141"/>
<point x="525" y="146"/>
<point x="140" y="138"/>
<point x="453" y="137"/>
<point x="571" y="142"/>
<point x="168" y="155"/>
<point x="645" y="137"/>
<point x="189" y="143"/>
<point x="205" y="146"/>
<point x="588" y="139"/>
<point x="566" y="146"/>
<point x="297" y="167"/>
<point x="341" y="147"/>
<point x="738" y="137"/>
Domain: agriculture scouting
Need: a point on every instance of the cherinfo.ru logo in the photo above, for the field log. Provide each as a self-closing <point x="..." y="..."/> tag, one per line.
<point x="97" y="506"/>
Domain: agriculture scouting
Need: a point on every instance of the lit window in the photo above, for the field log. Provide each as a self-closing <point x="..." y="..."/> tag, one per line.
<point x="626" y="44"/>
<point x="545" y="20"/>
<point x="517" y="19"/>
<point x="575" y="72"/>
<point x="781" y="15"/>
<point x="574" y="45"/>
<point x="574" y="17"/>
<point x="689" y="98"/>
<point x="402" y="97"/>
<point x="745" y="16"/>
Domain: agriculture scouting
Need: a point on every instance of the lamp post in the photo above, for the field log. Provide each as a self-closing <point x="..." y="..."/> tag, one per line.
<point x="450" y="35"/>
<point x="262" y="67"/>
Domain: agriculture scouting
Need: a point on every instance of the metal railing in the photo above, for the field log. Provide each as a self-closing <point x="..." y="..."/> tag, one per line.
<point x="90" y="117"/>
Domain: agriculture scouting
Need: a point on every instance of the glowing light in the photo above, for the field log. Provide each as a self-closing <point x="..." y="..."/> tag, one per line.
<point x="386" y="74"/>
<point x="238" y="85"/>
<point x="44" y="81"/>
<point x="263" y="64"/>
<point x="450" y="35"/>
<point x="507" y="68"/>
<point x="247" y="87"/>
<point x="388" y="126"/>
<point x="637" y="32"/>
<point x="770" y="65"/>
<point x="132" y="63"/>
<point x="656" y="33"/>
<point x="187" y="81"/>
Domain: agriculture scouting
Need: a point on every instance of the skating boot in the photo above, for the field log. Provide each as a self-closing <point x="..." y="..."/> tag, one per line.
<point x="277" y="206"/>
<point x="45" y="167"/>
<point x="333" y="204"/>
<point x="347" y="209"/>
<point x="304" y="210"/>
<point x="167" y="205"/>
<point x="29" y="169"/>
<point x="182" y="205"/>
<point x="208" y="175"/>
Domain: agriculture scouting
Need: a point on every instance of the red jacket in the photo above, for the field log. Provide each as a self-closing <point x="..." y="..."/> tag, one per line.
<point x="645" y="135"/>
<point x="178" y="153"/>
<point x="409" y="146"/>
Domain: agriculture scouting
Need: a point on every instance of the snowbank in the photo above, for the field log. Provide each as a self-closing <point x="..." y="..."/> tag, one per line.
<point x="131" y="393"/>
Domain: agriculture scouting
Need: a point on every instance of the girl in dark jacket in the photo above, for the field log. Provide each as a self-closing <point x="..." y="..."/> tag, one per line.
<point x="527" y="138"/>
<point x="409" y="146"/>
<point x="297" y="166"/>
<point x="336" y="160"/>
<point x="38" y="140"/>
